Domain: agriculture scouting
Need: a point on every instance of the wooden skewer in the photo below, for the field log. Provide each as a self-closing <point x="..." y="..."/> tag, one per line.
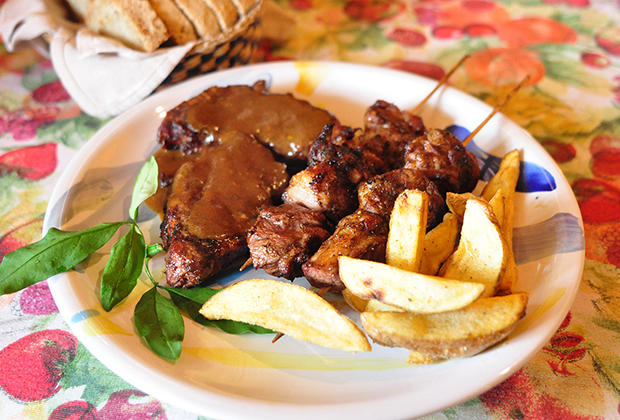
<point x="496" y="109"/>
<point x="321" y="292"/>
<point x="442" y="81"/>
<point x="246" y="264"/>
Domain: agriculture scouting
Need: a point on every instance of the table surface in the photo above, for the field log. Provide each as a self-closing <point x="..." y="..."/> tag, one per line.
<point x="571" y="49"/>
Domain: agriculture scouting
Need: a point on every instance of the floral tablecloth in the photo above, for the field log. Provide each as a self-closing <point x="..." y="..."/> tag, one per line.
<point x="571" y="50"/>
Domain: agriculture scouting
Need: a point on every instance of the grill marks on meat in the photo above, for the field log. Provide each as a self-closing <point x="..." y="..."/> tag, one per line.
<point x="285" y="236"/>
<point x="369" y="225"/>
<point x="388" y="130"/>
<point x="340" y="160"/>
<point x="362" y="234"/>
<point x="212" y="203"/>
<point x="443" y="159"/>
<point x="378" y="194"/>
<point x="287" y="125"/>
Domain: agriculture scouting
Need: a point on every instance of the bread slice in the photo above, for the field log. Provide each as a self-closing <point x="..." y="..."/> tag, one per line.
<point x="79" y="8"/>
<point x="204" y="19"/>
<point x="244" y="6"/>
<point x="225" y="11"/>
<point x="179" y="26"/>
<point x="134" y="22"/>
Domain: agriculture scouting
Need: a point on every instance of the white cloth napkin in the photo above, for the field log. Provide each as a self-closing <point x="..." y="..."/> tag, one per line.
<point x="102" y="76"/>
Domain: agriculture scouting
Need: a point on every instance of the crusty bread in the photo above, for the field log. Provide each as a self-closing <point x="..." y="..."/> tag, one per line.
<point x="146" y="24"/>
<point x="225" y="11"/>
<point x="79" y="8"/>
<point x="204" y="19"/>
<point x="133" y="22"/>
<point x="179" y="26"/>
<point x="244" y="6"/>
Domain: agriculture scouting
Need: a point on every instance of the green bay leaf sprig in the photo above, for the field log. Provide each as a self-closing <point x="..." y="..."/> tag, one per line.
<point x="157" y="318"/>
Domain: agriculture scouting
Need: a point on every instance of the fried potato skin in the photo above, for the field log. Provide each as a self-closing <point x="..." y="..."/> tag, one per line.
<point x="405" y="243"/>
<point x="482" y="252"/>
<point x="405" y="289"/>
<point x="464" y="332"/>
<point x="288" y="308"/>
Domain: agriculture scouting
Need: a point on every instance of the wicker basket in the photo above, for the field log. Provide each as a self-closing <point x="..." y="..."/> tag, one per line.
<point x="230" y="49"/>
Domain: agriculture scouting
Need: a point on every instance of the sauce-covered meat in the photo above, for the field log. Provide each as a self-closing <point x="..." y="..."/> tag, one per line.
<point x="284" y="123"/>
<point x="212" y="202"/>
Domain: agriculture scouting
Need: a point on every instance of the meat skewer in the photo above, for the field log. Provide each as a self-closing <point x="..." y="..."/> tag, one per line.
<point x="438" y="159"/>
<point x="339" y="160"/>
<point x="442" y="81"/>
<point x="496" y="109"/>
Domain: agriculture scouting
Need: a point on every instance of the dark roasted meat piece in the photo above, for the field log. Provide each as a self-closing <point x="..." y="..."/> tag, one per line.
<point x="340" y="145"/>
<point x="368" y="226"/>
<point x="212" y="203"/>
<point x="378" y="194"/>
<point x="440" y="156"/>
<point x="387" y="130"/>
<point x="280" y="121"/>
<point x="323" y="187"/>
<point x="284" y="237"/>
<point x="361" y="235"/>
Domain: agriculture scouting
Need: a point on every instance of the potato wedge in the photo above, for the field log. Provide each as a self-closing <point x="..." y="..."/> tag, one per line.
<point x="460" y="333"/>
<point x="481" y="255"/>
<point x="356" y="303"/>
<point x="498" y="204"/>
<point x="418" y="358"/>
<point x="456" y="203"/>
<point x="288" y="308"/>
<point x="405" y="289"/>
<point x="374" y="305"/>
<point x="506" y="180"/>
<point x="439" y="243"/>
<point x="405" y="242"/>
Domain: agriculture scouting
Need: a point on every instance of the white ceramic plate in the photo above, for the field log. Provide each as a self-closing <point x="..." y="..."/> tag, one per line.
<point x="241" y="377"/>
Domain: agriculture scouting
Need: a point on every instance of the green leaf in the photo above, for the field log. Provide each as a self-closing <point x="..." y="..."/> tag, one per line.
<point x="57" y="252"/>
<point x="160" y="324"/>
<point x="123" y="268"/>
<point x="144" y="186"/>
<point x="154" y="249"/>
<point x="191" y="300"/>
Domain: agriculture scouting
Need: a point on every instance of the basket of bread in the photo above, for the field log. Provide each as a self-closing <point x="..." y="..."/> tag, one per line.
<point x="111" y="54"/>
<point x="224" y="32"/>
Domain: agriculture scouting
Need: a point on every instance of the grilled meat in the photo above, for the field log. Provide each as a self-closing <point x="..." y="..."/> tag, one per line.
<point x="212" y="203"/>
<point x="287" y="125"/>
<point x="323" y="187"/>
<point x="361" y="234"/>
<point x="387" y="131"/>
<point x="285" y="236"/>
<point x="443" y="159"/>
<point x="379" y="194"/>
<point x="364" y="233"/>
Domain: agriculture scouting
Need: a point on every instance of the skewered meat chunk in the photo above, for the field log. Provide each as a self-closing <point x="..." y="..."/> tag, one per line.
<point x="361" y="234"/>
<point x="323" y="187"/>
<point x="334" y="169"/>
<point x="387" y="130"/>
<point x="443" y="159"/>
<point x="287" y="125"/>
<point x="212" y="203"/>
<point x="341" y="145"/>
<point x="284" y="237"/>
<point x="379" y="194"/>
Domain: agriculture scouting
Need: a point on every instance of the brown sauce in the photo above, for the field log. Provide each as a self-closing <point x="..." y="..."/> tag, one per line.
<point x="286" y="124"/>
<point x="168" y="162"/>
<point x="220" y="189"/>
